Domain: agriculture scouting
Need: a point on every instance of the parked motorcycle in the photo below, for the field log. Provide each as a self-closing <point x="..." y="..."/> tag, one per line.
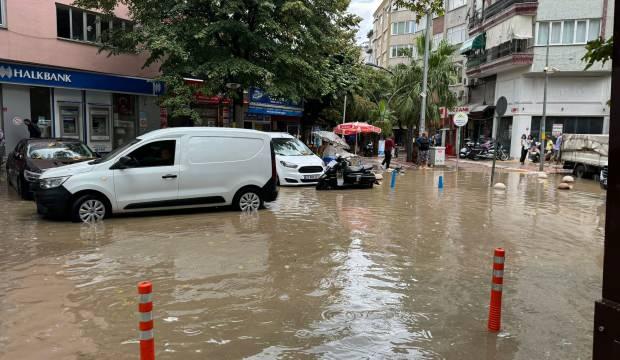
<point x="484" y="151"/>
<point x="340" y="174"/>
<point x="369" y="150"/>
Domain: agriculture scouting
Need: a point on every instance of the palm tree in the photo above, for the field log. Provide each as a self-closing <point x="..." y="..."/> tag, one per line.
<point x="408" y="87"/>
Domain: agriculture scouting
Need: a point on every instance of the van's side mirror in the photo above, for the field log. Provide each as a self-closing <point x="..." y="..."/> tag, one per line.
<point x="123" y="163"/>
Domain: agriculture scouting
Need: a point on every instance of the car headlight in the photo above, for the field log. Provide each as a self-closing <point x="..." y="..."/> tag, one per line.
<point x="31" y="176"/>
<point x="288" y="164"/>
<point x="51" y="183"/>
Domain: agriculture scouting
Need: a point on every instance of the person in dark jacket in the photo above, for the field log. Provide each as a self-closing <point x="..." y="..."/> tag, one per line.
<point x="424" y="147"/>
<point x="389" y="146"/>
<point x="33" y="128"/>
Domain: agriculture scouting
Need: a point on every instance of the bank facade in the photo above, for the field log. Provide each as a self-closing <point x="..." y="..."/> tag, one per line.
<point x="53" y="72"/>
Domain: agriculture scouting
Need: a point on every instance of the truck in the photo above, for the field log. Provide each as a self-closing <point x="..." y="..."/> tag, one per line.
<point x="585" y="154"/>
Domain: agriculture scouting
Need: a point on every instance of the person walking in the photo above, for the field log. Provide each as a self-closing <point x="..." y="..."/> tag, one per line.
<point x="33" y="128"/>
<point x="557" y="148"/>
<point x="389" y="146"/>
<point x="524" y="148"/>
<point x="424" y="147"/>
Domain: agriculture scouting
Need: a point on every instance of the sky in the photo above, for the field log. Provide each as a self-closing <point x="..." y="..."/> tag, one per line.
<point x="364" y="9"/>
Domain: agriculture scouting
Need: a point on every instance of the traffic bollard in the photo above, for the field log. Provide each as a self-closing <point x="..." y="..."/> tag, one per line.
<point x="393" y="184"/>
<point x="145" y="307"/>
<point x="495" y="308"/>
<point x="440" y="182"/>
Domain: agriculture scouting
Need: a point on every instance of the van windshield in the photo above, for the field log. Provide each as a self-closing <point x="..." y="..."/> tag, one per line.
<point x="290" y="147"/>
<point x="115" y="152"/>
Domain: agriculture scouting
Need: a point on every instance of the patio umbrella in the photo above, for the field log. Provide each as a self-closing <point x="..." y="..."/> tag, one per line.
<point x="333" y="138"/>
<point x="356" y="128"/>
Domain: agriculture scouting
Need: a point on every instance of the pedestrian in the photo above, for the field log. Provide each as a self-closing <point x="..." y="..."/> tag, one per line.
<point x="33" y="128"/>
<point x="557" y="148"/>
<point x="524" y="148"/>
<point x="437" y="138"/>
<point x="548" y="149"/>
<point x="389" y="146"/>
<point x="424" y="147"/>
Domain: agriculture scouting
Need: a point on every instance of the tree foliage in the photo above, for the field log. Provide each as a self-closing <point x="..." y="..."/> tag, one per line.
<point x="598" y="50"/>
<point x="421" y="7"/>
<point x="295" y="48"/>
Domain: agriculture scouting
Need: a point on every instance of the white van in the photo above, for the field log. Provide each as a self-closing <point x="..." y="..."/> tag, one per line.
<point x="165" y="169"/>
<point x="295" y="162"/>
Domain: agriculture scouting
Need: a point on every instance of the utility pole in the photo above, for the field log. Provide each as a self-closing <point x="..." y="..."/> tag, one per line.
<point x="543" y="123"/>
<point x="344" y="111"/>
<point x="425" y="80"/>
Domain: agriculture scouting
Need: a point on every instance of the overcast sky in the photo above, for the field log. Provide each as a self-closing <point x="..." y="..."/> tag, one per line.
<point x="364" y="8"/>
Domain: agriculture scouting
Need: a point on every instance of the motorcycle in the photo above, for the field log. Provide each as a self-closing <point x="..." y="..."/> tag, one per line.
<point x="484" y="151"/>
<point x="368" y="150"/>
<point x="340" y="174"/>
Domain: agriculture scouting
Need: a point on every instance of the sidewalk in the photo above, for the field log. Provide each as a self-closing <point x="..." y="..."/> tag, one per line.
<point x="510" y="165"/>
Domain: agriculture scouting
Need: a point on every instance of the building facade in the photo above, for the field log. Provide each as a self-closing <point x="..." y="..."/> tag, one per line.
<point x="506" y="56"/>
<point x="51" y="71"/>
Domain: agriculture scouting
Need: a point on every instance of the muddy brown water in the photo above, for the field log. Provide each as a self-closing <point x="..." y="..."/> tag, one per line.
<point x="360" y="274"/>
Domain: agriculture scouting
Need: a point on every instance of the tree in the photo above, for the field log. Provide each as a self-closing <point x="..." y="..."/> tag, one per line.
<point x="421" y="7"/>
<point x="408" y="87"/>
<point x="287" y="47"/>
<point x="383" y="118"/>
<point x="598" y="50"/>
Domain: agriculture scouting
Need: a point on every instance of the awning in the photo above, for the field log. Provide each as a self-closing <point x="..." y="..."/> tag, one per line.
<point x="517" y="27"/>
<point x="481" y="111"/>
<point x="477" y="42"/>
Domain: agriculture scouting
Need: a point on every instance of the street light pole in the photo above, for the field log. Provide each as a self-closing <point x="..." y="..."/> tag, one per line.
<point x="543" y="122"/>
<point x="425" y="79"/>
<point x="344" y="111"/>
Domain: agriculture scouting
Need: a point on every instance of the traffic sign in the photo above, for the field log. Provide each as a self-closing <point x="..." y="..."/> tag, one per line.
<point x="460" y="119"/>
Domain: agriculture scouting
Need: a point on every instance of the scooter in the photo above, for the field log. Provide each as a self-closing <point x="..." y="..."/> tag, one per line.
<point x="341" y="174"/>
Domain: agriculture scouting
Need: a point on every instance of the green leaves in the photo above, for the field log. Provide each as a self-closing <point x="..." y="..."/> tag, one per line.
<point x="598" y="51"/>
<point x="421" y="7"/>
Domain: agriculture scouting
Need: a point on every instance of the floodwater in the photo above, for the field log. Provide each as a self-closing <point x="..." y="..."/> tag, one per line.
<point x="359" y="274"/>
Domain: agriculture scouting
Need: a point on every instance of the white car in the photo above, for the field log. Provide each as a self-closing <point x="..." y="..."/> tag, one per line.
<point x="165" y="169"/>
<point x="296" y="164"/>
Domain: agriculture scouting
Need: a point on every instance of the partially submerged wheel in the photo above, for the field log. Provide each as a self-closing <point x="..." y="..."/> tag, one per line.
<point x="248" y="200"/>
<point x="88" y="208"/>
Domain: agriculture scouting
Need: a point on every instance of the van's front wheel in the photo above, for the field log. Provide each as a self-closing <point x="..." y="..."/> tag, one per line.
<point x="248" y="199"/>
<point x="88" y="208"/>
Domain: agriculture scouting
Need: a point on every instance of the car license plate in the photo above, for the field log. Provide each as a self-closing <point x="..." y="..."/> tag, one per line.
<point x="311" y="177"/>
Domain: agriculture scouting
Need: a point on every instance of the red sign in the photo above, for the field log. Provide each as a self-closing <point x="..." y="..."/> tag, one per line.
<point x="163" y="118"/>
<point x="463" y="109"/>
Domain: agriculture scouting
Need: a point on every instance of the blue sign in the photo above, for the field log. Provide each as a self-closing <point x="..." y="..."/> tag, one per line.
<point x="274" y="111"/>
<point x="258" y="96"/>
<point x="52" y="77"/>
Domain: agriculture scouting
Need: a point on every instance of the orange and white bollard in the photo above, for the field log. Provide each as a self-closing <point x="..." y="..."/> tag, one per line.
<point x="147" y="341"/>
<point x="495" y="308"/>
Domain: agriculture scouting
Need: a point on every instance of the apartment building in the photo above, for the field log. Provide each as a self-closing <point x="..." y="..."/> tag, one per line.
<point x="51" y="70"/>
<point x="506" y="56"/>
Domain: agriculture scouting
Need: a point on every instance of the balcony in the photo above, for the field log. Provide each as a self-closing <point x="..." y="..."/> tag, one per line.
<point x="508" y="55"/>
<point x="500" y="10"/>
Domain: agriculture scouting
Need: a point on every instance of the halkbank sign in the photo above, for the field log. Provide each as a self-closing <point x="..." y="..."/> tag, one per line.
<point x="50" y="77"/>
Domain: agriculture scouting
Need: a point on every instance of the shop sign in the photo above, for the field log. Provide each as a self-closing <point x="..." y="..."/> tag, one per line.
<point x="558" y="129"/>
<point x="458" y="109"/>
<point x="51" y="77"/>
<point x="460" y="119"/>
<point x="258" y="96"/>
<point x="274" y="111"/>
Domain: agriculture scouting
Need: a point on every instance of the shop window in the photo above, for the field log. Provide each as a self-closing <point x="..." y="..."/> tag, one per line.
<point x="158" y="153"/>
<point x="70" y="120"/>
<point x="570" y="125"/>
<point x="125" y="118"/>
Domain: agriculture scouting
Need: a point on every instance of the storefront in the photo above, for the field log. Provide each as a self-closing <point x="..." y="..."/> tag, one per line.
<point x="102" y="110"/>
<point x="269" y="113"/>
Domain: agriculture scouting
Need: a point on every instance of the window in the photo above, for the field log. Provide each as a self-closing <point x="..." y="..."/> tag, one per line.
<point x="80" y="25"/>
<point x="568" y="32"/>
<point x="456" y="35"/>
<point x="453" y="4"/>
<point x="403" y="27"/>
<point x="556" y="33"/>
<point x="401" y="51"/>
<point x="2" y="13"/>
<point x="158" y="153"/>
<point x="437" y="39"/>
<point x="594" y="29"/>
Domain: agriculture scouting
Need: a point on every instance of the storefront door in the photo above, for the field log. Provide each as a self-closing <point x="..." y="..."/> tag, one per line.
<point x="504" y="131"/>
<point x="125" y="119"/>
<point x="40" y="109"/>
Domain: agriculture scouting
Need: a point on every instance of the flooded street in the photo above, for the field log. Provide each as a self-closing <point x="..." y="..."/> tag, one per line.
<point x="359" y="274"/>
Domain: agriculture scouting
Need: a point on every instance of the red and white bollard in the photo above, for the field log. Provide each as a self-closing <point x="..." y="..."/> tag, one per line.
<point x="147" y="341"/>
<point x="495" y="308"/>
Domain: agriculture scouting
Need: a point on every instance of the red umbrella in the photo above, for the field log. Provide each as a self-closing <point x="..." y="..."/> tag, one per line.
<point x="356" y="128"/>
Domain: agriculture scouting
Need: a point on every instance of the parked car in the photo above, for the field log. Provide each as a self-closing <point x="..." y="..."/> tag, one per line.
<point x="164" y="169"/>
<point x="296" y="163"/>
<point x="31" y="157"/>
